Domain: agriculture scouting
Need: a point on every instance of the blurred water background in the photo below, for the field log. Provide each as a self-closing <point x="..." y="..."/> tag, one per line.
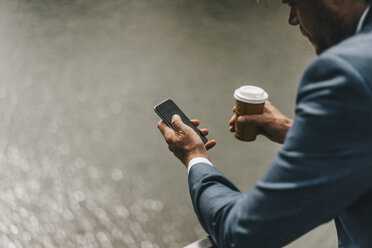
<point x="82" y="163"/>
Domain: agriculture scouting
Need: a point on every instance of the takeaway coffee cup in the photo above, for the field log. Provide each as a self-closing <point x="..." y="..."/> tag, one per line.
<point x="249" y="100"/>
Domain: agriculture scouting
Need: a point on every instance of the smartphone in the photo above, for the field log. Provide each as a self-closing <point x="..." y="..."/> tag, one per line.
<point x="168" y="108"/>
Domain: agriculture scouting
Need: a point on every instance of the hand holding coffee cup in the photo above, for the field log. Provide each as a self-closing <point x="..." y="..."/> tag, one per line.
<point x="249" y="100"/>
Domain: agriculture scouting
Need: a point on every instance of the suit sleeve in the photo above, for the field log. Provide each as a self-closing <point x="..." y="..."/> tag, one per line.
<point x="317" y="174"/>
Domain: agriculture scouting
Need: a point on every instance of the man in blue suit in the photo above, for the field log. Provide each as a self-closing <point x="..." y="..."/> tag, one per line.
<point x="324" y="169"/>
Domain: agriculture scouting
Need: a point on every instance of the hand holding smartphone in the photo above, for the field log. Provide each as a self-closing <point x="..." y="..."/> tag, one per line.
<point x="168" y="108"/>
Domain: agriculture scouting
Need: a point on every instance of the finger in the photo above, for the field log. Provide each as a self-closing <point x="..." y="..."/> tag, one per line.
<point x="162" y="126"/>
<point x="204" y="131"/>
<point x="250" y="119"/>
<point x="167" y="132"/>
<point x="177" y="123"/>
<point x="195" y="122"/>
<point x="210" y="144"/>
<point x="232" y="120"/>
<point x="232" y="129"/>
<point x="234" y="109"/>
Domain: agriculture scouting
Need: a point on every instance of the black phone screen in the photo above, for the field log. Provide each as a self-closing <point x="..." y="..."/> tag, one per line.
<point x="168" y="108"/>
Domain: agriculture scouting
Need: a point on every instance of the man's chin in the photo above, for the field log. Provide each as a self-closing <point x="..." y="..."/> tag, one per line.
<point x="318" y="49"/>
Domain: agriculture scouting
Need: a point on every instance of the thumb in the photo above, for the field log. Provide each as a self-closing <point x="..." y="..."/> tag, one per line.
<point x="177" y="123"/>
<point x="250" y="120"/>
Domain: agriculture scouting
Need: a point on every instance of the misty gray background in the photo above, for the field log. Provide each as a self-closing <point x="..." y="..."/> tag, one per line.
<point x="82" y="163"/>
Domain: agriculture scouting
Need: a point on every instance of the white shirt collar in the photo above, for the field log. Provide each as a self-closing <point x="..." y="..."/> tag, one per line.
<point x="362" y="18"/>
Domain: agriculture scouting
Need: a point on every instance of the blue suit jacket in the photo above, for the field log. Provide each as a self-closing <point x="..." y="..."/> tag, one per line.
<point x="322" y="172"/>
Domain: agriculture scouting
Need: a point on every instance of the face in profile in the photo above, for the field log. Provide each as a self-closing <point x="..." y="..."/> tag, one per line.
<point x="319" y="21"/>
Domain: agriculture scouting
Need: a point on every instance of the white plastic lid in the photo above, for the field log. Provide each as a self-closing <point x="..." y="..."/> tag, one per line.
<point x="251" y="94"/>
